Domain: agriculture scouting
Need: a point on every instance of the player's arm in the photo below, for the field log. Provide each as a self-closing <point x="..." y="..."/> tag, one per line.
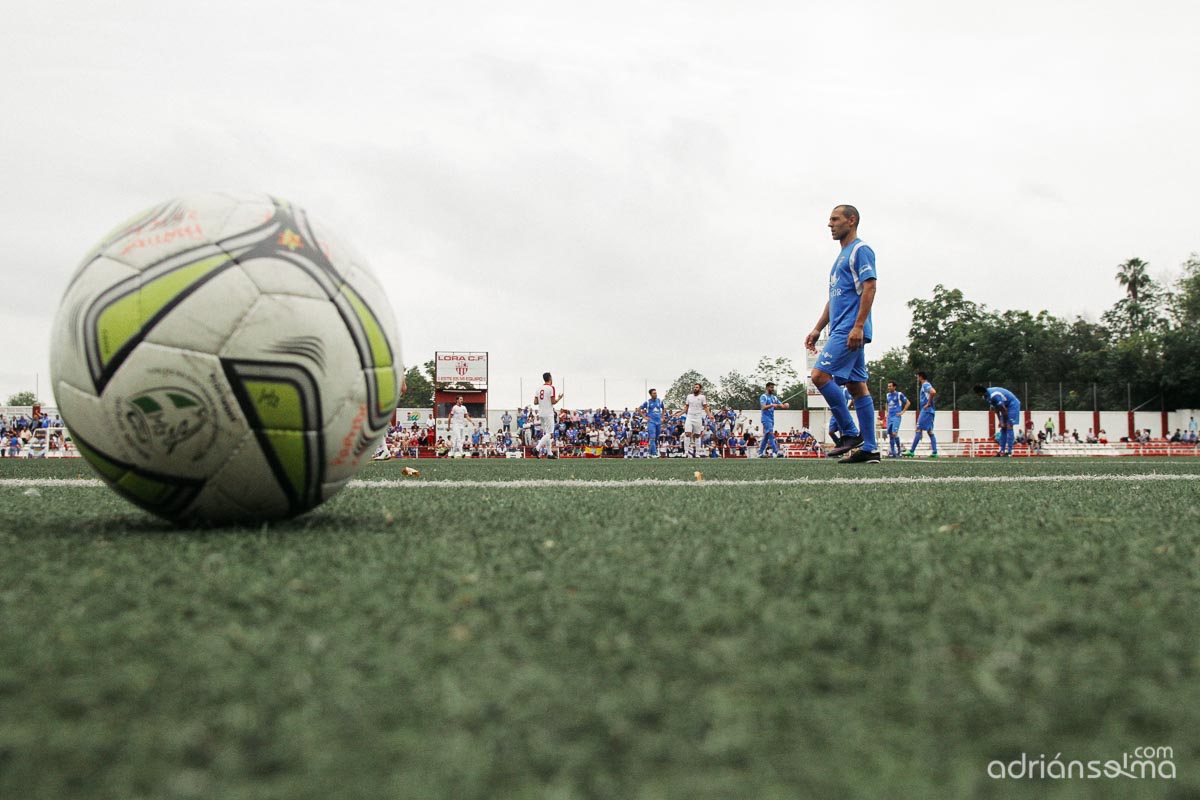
<point x="855" y="339"/>
<point x="906" y="404"/>
<point x="810" y="341"/>
<point x="932" y="395"/>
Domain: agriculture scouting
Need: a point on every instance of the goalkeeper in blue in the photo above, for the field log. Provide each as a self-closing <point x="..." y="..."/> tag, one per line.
<point x="843" y="361"/>
<point x="1008" y="411"/>
<point x="897" y="404"/>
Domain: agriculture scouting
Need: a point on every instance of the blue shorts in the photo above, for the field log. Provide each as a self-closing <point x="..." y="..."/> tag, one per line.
<point x="844" y="364"/>
<point x="768" y="426"/>
<point x="925" y="420"/>
<point x="893" y="426"/>
<point x="1014" y="414"/>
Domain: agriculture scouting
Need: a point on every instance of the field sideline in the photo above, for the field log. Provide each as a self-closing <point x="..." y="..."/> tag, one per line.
<point x="608" y="629"/>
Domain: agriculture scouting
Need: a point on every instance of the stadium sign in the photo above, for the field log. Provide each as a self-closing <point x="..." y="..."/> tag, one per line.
<point x="461" y="368"/>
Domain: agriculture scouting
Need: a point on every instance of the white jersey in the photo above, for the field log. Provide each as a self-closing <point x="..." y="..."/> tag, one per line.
<point x="694" y="405"/>
<point x="546" y="397"/>
<point x="458" y="416"/>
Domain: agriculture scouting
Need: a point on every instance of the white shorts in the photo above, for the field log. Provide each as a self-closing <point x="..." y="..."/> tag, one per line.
<point x="693" y="425"/>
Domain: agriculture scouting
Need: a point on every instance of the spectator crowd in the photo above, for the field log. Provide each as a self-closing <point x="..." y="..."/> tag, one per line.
<point x="592" y="432"/>
<point x="32" y="436"/>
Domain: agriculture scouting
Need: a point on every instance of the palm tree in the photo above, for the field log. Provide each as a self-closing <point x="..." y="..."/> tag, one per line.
<point x="1134" y="276"/>
<point x="1142" y="293"/>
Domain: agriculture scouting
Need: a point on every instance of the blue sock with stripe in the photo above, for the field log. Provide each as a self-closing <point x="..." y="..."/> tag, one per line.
<point x="864" y="409"/>
<point x="837" y="406"/>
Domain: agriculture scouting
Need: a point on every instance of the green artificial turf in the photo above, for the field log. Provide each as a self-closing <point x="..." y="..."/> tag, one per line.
<point x="690" y="640"/>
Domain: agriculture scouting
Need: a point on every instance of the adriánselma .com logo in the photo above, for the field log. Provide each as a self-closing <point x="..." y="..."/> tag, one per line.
<point x="1144" y="763"/>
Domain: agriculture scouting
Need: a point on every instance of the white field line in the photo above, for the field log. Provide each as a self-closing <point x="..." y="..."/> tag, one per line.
<point x="549" y="483"/>
<point x="650" y="482"/>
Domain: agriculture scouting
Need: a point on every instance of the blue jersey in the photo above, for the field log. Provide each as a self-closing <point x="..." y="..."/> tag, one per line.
<point x="654" y="408"/>
<point x="768" y="414"/>
<point x="895" y="403"/>
<point x="926" y="397"/>
<point x="854" y="266"/>
<point x="1001" y="399"/>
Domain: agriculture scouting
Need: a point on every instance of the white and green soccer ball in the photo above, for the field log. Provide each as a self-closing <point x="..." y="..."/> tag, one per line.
<point x="223" y="357"/>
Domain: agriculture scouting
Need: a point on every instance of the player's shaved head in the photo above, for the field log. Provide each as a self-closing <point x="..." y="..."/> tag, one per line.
<point x="849" y="212"/>
<point x="980" y="389"/>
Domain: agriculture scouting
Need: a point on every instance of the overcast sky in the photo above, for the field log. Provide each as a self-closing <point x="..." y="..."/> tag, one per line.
<point x="616" y="191"/>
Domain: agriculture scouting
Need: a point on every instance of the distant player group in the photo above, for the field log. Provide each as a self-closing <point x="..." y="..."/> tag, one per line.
<point x="696" y="415"/>
<point x="840" y="375"/>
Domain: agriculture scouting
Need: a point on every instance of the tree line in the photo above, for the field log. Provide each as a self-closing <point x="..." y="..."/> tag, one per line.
<point x="1143" y="352"/>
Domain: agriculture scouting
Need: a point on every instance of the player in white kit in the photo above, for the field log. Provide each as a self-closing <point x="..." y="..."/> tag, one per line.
<point x="546" y="397"/>
<point x="459" y="419"/>
<point x="695" y="406"/>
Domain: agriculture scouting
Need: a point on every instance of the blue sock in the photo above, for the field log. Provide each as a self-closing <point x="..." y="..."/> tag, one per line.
<point x="864" y="409"/>
<point x="1008" y="440"/>
<point x="895" y="445"/>
<point x="837" y="405"/>
<point x="933" y="442"/>
<point x="916" y="442"/>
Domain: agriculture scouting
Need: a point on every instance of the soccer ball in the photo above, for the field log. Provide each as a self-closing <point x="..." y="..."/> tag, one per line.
<point x="225" y="358"/>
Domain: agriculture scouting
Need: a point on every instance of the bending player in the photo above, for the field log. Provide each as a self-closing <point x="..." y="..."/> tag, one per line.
<point x="1008" y="411"/>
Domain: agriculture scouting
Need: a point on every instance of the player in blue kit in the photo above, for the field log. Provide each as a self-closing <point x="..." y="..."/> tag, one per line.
<point x="925" y="414"/>
<point x="652" y="410"/>
<point x="897" y="404"/>
<point x="843" y="361"/>
<point x="836" y="435"/>
<point x="1008" y="409"/>
<point x="768" y="402"/>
